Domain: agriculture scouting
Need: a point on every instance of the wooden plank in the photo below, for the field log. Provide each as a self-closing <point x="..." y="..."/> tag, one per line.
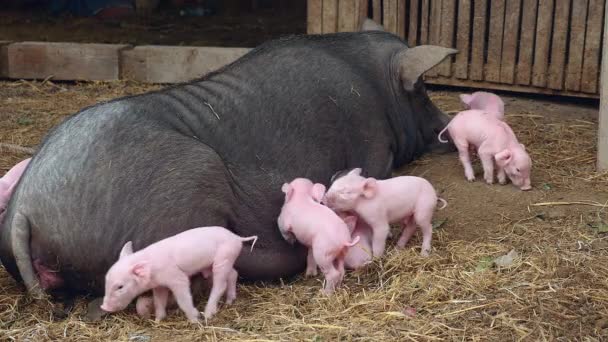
<point x="526" y="42"/>
<point x="363" y="9"/>
<point x="424" y="22"/>
<point x="558" y="45"/>
<point x="314" y="17"/>
<point x="543" y="38"/>
<point x="174" y="64"/>
<point x="390" y="15"/>
<point x="461" y="65"/>
<point x="483" y="85"/>
<point x="448" y="20"/>
<point x="346" y="16"/>
<point x="412" y="39"/>
<point x="591" y="56"/>
<point x="497" y="17"/>
<point x="509" y="42"/>
<point x="478" y="43"/>
<point x="377" y="11"/>
<point x="4" y="58"/>
<point x="401" y="15"/>
<point x="602" y="134"/>
<point x="577" y="45"/>
<point x="330" y="16"/>
<point x="64" y="61"/>
<point x="434" y="30"/>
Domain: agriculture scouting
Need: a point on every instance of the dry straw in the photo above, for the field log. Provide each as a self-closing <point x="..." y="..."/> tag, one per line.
<point x="555" y="290"/>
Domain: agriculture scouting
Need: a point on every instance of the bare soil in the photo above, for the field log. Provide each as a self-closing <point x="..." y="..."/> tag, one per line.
<point x="555" y="290"/>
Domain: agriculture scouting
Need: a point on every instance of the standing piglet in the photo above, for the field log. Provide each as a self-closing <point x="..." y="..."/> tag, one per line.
<point x="8" y="183"/>
<point x="317" y="227"/>
<point x="168" y="265"/>
<point x="406" y="199"/>
<point x="488" y="102"/>
<point x="495" y="142"/>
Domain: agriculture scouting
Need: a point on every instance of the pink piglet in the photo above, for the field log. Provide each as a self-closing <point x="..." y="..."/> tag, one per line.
<point x="168" y="264"/>
<point x="317" y="227"/>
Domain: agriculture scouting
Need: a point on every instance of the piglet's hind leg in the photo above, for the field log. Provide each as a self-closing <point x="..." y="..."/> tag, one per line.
<point x="231" y="291"/>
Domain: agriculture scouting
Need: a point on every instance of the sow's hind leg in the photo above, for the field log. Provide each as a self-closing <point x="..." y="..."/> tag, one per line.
<point x="20" y="243"/>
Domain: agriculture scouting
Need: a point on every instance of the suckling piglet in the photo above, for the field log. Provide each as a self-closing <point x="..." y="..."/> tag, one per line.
<point x="317" y="227"/>
<point x="168" y="264"/>
<point x="408" y="200"/>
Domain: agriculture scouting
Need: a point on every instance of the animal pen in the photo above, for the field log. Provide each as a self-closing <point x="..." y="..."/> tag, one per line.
<point x="532" y="46"/>
<point x="554" y="289"/>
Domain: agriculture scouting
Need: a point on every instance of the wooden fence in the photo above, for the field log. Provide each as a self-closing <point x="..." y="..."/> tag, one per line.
<point x="535" y="46"/>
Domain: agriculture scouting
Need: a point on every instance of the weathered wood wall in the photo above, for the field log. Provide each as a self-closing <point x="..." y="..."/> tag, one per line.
<point x="536" y="46"/>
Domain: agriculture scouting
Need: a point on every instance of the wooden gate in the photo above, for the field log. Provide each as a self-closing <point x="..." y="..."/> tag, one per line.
<point x="535" y="46"/>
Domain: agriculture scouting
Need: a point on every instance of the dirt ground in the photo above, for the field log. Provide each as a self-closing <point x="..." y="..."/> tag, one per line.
<point x="246" y="29"/>
<point x="557" y="289"/>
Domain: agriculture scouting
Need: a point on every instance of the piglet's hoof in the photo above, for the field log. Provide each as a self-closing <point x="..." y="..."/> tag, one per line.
<point x="425" y="253"/>
<point x="94" y="311"/>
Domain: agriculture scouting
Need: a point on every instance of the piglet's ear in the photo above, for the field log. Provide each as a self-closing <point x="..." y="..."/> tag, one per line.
<point x="141" y="271"/>
<point x="356" y="172"/>
<point x="351" y="223"/>
<point x="369" y="188"/>
<point x="465" y="98"/>
<point x="288" y="191"/>
<point x="127" y="249"/>
<point x="523" y="146"/>
<point x="503" y="157"/>
<point x="318" y="191"/>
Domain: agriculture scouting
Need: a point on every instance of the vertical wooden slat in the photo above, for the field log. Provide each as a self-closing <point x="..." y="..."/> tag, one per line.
<point x="497" y="16"/>
<point x="314" y="17"/>
<point x="461" y="65"/>
<point x="346" y="16"/>
<point x="434" y="30"/>
<point x="558" y="45"/>
<point x="602" y="134"/>
<point x="448" y="20"/>
<point x="577" y="44"/>
<point x="376" y="11"/>
<point x="413" y="29"/>
<point x="479" y="32"/>
<point x="543" y="37"/>
<point x="509" y="42"/>
<point x="401" y="18"/>
<point x="424" y="22"/>
<point x="330" y="16"/>
<point x="591" y="55"/>
<point x="526" y="41"/>
<point x="363" y="9"/>
<point x="390" y="15"/>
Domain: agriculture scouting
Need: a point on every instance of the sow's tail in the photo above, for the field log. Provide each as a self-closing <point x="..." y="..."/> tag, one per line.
<point x="441" y="133"/>
<point x="249" y="238"/>
<point x="445" y="203"/>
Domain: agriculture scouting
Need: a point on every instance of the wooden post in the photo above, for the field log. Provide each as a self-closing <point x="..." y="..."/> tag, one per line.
<point x="314" y="17"/>
<point x="602" y="134"/>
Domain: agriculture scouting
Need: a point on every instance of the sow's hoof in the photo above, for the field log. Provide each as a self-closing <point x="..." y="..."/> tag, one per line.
<point x="94" y="312"/>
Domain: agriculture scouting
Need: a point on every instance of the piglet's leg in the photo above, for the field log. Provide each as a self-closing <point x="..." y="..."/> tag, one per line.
<point x="161" y="294"/>
<point x="180" y="286"/>
<point x="380" y="234"/>
<point x="311" y="265"/>
<point x="487" y="161"/>
<point x="502" y="177"/>
<point x="424" y="218"/>
<point x="231" y="291"/>
<point x="326" y="264"/>
<point x="465" y="160"/>
<point x="408" y="231"/>
<point x="220" y="282"/>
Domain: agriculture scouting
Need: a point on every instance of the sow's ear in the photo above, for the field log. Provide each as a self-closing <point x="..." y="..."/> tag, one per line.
<point x="127" y="249"/>
<point x="370" y="25"/>
<point x="414" y="62"/>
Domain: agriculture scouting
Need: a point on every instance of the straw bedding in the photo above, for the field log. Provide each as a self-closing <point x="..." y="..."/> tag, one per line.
<point x="555" y="289"/>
